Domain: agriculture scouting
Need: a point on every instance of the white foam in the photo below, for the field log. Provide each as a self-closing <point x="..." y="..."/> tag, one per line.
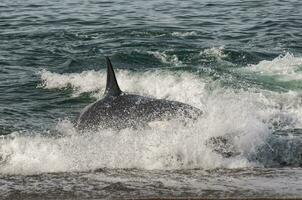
<point x="284" y="67"/>
<point x="217" y="52"/>
<point x="184" y="34"/>
<point x="87" y="81"/>
<point x="184" y="85"/>
<point x="243" y="115"/>
<point x="165" y="58"/>
<point x="172" y="148"/>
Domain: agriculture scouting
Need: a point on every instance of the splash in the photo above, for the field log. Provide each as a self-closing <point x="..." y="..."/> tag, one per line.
<point x="215" y="52"/>
<point x="285" y="67"/>
<point x="247" y="117"/>
<point x="165" y="58"/>
<point x="87" y="81"/>
<point x="172" y="147"/>
<point x="177" y="87"/>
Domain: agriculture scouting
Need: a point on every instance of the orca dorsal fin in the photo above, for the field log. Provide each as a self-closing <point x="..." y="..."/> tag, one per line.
<point x="112" y="88"/>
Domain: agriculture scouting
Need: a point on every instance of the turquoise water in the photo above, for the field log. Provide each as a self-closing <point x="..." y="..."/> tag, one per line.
<point x="238" y="61"/>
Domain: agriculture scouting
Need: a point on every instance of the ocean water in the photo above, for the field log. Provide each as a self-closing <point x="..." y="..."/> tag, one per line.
<point x="238" y="61"/>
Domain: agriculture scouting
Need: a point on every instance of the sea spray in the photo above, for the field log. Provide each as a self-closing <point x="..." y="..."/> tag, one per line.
<point x="244" y="116"/>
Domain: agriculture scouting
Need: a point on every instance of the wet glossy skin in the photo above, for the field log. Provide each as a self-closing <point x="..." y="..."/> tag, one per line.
<point x="133" y="111"/>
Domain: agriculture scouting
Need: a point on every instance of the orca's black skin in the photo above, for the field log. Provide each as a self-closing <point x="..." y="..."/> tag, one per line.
<point x="118" y="110"/>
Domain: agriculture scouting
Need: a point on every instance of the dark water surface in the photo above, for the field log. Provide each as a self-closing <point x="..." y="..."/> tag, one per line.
<point x="238" y="61"/>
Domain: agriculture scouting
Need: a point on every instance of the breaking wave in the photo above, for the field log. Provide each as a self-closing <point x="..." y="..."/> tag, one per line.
<point x="285" y="67"/>
<point x="247" y="118"/>
<point x="165" y="58"/>
<point x="214" y="52"/>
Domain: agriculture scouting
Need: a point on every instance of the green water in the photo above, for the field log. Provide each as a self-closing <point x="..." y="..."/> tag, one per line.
<point x="238" y="61"/>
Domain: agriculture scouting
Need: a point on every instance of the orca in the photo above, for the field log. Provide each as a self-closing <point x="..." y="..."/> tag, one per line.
<point x="120" y="110"/>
